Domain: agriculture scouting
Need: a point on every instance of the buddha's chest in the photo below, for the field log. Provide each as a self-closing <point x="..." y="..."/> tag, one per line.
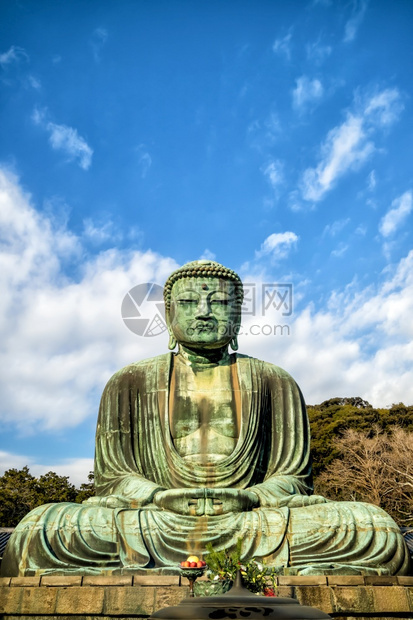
<point x="204" y="412"/>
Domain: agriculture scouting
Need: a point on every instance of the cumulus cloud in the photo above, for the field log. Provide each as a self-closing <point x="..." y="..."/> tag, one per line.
<point x="350" y="144"/>
<point x="306" y="91"/>
<point x="282" y="46"/>
<point x="14" y="54"/>
<point x="360" y="344"/>
<point x="278" y="245"/>
<point x="62" y="337"/>
<point x="353" y="24"/>
<point x="401" y="207"/>
<point x="66" y="139"/>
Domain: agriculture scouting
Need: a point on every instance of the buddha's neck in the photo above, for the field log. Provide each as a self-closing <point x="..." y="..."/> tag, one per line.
<point x="202" y="357"/>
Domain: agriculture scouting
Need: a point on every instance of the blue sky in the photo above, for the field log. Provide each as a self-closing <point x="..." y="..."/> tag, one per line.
<point x="272" y="136"/>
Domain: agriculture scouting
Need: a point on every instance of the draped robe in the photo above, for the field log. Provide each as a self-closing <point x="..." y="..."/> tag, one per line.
<point x="123" y="530"/>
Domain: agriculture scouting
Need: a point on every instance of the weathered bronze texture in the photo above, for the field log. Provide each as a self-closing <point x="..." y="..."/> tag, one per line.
<point x="204" y="446"/>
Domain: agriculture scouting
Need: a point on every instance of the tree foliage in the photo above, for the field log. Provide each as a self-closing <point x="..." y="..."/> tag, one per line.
<point x="20" y="492"/>
<point x="332" y="418"/>
<point x="364" y="454"/>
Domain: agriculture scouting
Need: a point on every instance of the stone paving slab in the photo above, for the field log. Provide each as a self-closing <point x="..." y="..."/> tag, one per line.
<point x="124" y="596"/>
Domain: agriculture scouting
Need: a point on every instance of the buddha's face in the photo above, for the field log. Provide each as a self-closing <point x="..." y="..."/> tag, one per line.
<point x="204" y="312"/>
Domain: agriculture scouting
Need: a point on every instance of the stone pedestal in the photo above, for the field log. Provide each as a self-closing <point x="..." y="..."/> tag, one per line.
<point x="104" y="598"/>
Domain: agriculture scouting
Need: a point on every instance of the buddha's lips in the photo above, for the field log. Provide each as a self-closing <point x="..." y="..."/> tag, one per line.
<point x="204" y="326"/>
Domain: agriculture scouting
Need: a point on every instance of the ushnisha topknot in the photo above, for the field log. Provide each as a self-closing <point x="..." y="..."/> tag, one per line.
<point x="203" y="269"/>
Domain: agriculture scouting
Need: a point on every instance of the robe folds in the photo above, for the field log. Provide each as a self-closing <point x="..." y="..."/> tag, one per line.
<point x="122" y="530"/>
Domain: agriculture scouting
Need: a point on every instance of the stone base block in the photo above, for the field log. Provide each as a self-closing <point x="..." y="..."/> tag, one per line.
<point x="138" y="596"/>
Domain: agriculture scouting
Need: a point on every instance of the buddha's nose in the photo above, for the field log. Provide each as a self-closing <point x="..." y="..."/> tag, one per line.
<point x="203" y="310"/>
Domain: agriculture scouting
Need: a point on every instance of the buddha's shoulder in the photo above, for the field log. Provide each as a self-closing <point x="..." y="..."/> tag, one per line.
<point x="141" y="368"/>
<point x="266" y="369"/>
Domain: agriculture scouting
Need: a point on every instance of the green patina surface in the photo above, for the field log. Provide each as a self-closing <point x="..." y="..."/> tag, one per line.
<point x="204" y="446"/>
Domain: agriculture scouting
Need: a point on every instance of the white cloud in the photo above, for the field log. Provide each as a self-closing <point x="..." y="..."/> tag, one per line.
<point x="360" y="344"/>
<point x="340" y="250"/>
<point x="349" y="145"/>
<point x="336" y="227"/>
<point x="383" y="108"/>
<point x="306" y="91"/>
<point x="99" y="233"/>
<point x="353" y="24"/>
<point x="207" y="255"/>
<point x="371" y="181"/>
<point x="14" y="54"/>
<point x="361" y="230"/>
<point x="401" y="207"/>
<point x="317" y="52"/>
<point x="97" y="42"/>
<point x="66" y="139"/>
<point x="63" y="138"/>
<point x="144" y="160"/>
<point x="62" y="337"/>
<point x="277" y="245"/>
<point x="274" y="173"/>
<point x="76" y="469"/>
<point x="262" y="134"/>
<point x="34" y="82"/>
<point x="282" y="46"/>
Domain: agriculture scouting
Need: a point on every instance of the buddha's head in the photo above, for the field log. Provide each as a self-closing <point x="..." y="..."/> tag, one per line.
<point x="203" y="305"/>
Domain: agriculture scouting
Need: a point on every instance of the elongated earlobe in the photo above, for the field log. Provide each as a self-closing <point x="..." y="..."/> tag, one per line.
<point x="172" y="342"/>
<point x="234" y="343"/>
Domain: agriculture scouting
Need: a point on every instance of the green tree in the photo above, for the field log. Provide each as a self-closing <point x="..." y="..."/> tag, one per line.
<point x="87" y="489"/>
<point x="330" y="420"/>
<point x="18" y="495"/>
<point x="20" y="492"/>
<point x="52" y="488"/>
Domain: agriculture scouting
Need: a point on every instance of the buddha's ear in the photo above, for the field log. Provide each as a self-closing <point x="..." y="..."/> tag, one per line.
<point x="172" y="340"/>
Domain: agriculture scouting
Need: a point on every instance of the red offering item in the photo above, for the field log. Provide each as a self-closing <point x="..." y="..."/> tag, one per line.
<point x="199" y="564"/>
<point x="193" y="564"/>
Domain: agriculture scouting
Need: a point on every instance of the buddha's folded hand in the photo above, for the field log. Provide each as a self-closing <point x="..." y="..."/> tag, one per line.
<point x="199" y="502"/>
<point x="181" y="501"/>
<point x="231" y="500"/>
